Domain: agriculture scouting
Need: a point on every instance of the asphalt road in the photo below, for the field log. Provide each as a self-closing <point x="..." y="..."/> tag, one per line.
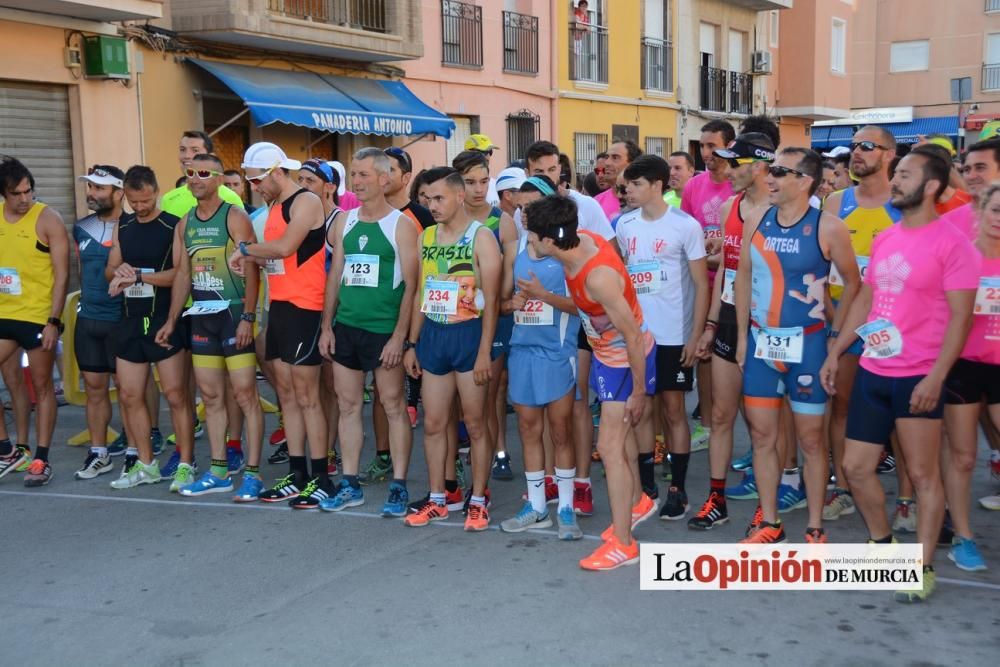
<point x="143" y="577"/>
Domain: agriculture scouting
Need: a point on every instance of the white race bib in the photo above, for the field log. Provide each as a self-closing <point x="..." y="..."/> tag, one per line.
<point x="440" y="297"/>
<point x="645" y="277"/>
<point x="837" y="280"/>
<point x="10" y="281"/>
<point x="207" y="307"/>
<point x="535" y="313"/>
<point x="987" y="296"/>
<point x="361" y="270"/>
<point x="729" y="287"/>
<point x="881" y="338"/>
<point x="275" y="267"/>
<point x="780" y="344"/>
<point x="140" y="290"/>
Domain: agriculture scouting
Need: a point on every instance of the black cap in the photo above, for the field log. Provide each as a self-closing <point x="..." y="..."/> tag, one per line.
<point x="755" y="145"/>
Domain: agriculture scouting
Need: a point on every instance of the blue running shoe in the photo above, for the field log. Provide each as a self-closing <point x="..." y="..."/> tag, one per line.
<point x="156" y="439"/>
<point x="120" y="444"/>
<point x="207" y="483"/>
<point x="965" y="555"/>
<point x="745" y="462"/>
<point x="234" y="461"/>
<point x="249" y="491"/>
<point x="170" y="469"/>
<point x="346" y="496"/>
<point x="399" y="498"/>
<point x="790" y="498"/>
<point x="745" y="490"/>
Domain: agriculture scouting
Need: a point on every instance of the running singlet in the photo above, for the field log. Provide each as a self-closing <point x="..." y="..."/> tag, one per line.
<point x="25" y="269"/>
<point x="93" y="239"/>
<point x="607" y="343"/>
<point x="449" y="293"/>
<point x="983" y="343"/>
<point x="209" y="245"/>
<point x="958" y="200"/>
<point x="732" y="245"/>
<point x="864" y="224"/>
<point x="300" y="278"/>
<point x="544" y="331"/>
<point x="147" y="247"/>
<point x="492" y="223"/>
<point x="371" y="287"/>
<point x="789" y="271"/>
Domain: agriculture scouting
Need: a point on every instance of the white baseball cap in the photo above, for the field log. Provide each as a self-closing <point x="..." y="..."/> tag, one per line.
<point x="511" y="178"/>
<point x="104" y="175"/>
<point x="837" y="152"/>
<point x="342" y="188"/>
<point x="265" y="155"/>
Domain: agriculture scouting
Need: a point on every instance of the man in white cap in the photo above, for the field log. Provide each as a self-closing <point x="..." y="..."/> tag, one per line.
<point x="508" y="183"/>
<point x="293" y="253"/>
<point x="841" y="157"/>
<point x="482" y="144"/>
<point x="346" y="199"/>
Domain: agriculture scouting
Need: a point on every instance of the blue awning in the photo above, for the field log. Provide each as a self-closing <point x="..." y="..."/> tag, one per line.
<point x="905" y="133"/>
<point x="331" y="103"/>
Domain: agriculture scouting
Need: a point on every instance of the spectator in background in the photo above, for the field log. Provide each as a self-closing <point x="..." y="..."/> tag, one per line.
<point x="681" y="171"/>
<point x="829" y="180"/>
<point x="566" y="174"/>
<point x="482" y="144"/>
<point x="952" y="197"/>
<point x="620" y="155"/>
<point x="509" y="182"/>
<point x="348" y="200"/>
<point x="841" y="158"/>
<point x="600" y="171"/>
<point x="590" y="187"/>
<point x="233" y="179"/>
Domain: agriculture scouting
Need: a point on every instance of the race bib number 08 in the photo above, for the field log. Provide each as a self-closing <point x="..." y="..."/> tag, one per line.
<point x="440" y="297"/>
<point x="10" y="282"/>
<point x="780" y="344"/>
<point x="881" y="338"/>
<point x="987" y="296"/>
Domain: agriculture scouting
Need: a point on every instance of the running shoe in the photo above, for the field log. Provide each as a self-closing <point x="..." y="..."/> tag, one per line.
<point x="745" y="490"/>
<point x="280" y="455"/>
<point x="583" y="499"/>
<point x="567" y="525"/>
<point x="199" y="430"/>
<point x="250" y="489"/>
<point x="12" y="461"/>
<point x="39" y="473"/>
<point x="454" y="500"/>
<point x="377" y="470"/>
<point x="659" y="451"/>
<point x="699" y="438"/>
<point x="395" y="504"/>
<point x="713" y="513"/>
<point x="310" y="498"/>
<point x="745" y="462"/>
<point x="965" y="555"/>
<point x="755" y="521"/>
<point x="468" y="500"/>
<point x="994" y="465"/>
<point x="235" y="461"/>
<point x="886" y="463"/>
<point x="919" y="594"/>
<point x="415" y="505"/>
<point x="766" y="533"/>
<point x="346" y="496"/>
<point x="642" y="510"/>
<point x="283" y="489"/>
<point x="170" y="468"/>
<point x="207" y="483"/>
<point x="987" y="502"/>
<point x="790" y="498"/>
<point x="675" y="507"/>
<point x="278" y="437"/>
<point x="904" y="519"/>
<point x="332" y="462"/>
<point x="526" y="519"/>
<point x="26" y="463"/>
<point x="477" y="518"/>
<point x="183" y="476"/>
<point x="501" y="468"/>
<point x="815" y="536"/>
<point x="840" y="504"/>
<point x="138" y="474"/>
<point x="411" y="412"/>
<point x="118" y="445"/>
<point x="94" y="465"/>
<point x="611" y="555"/>
<point x="427" y="513"/>
<point x="156" y="439"/>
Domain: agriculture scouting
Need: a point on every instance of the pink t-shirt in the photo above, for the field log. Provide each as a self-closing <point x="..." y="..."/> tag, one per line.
<point x="964" y="219"/>
<point x="349" y="201"/>
<point x="702" y="199"/>
<point x="983" y="343"/>
<point x="609" y="203"/>
<point x="909" y="272"/>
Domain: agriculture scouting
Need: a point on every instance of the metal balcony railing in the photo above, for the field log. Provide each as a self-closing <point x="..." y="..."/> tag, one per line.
<point x="993" y="5"/>
<point x="725" y="91"/>
<point x="520" y="43"/>
<point x="991" y="76"/>
<point x="367" y="15"/>
<point x="657" y="64"/>
<point x="740" y="93"/>
<point x="461" y="34"/>
<point x="588" y="52"/>
<point x="713" y="88"/>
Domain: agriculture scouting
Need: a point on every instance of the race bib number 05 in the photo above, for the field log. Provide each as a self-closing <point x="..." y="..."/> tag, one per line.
<point x="881" y="338"/>
<point x="440" y="297"/>
<point x="780" y="344"/>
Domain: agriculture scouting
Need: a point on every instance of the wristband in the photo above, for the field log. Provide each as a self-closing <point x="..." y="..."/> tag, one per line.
<point x="243" y="249"/>
<point x="832" y="333"/>
<point x="248" y="317"/>
<point x="712" y="325"/>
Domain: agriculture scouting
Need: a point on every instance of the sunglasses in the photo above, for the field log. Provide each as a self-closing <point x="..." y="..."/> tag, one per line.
<point x="781" y="172"/>
<point x="600" y="171"/>
<point x="260" y="177"/>
<point x="866" y="146"/>
<point x="98" y="171"/>
<point x="401" y="155"/>
<point x="203" y="174"/>
<point x="737" y="162"/>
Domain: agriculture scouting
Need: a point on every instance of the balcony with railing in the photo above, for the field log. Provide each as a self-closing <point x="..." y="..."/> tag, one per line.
<point x="520" y="43"/>
<point x="991" y="76"/>
<point x="366" y="30"/>
<point x="725" y="91"/>
<point x="461" y="34"/>
<point x="588" y="52"/>
<point x="657" y="65"/>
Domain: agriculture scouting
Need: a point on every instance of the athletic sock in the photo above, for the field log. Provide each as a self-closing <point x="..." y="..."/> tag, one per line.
<point x="100" y="451"/>
<point x="791" y="477"/>
<point x="536" y="490"/>
<point x="385" y="456"/>
<point x="131" y="451"/>
<point x="235" y="445"/>
<point x="297" y="467"/>
<point x="352" y="481"/>
<point x="679" y="468"/>
<point x="220" y="468"/>
<point x="718" y="486"/>
<point x="477" y="500"/>
<point x="647" y="472"/>
<point x="450" y="485"/>
<point x="564" y="480"/>
<point x="42" y="453"/>
<point x="319" y="473"/>
<point x="883" y="540"/>
<point x="437" y="498"/>
<point x="251" y="471"/>
<point x="5" y="447"/>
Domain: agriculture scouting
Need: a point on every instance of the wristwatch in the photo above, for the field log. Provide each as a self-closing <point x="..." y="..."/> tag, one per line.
<point x="407" y="345"/>
<point x="248" y="317"/>
<point x="832" y="333"/>
<point x="243" y="249"/>
<point x="57" y="323"/>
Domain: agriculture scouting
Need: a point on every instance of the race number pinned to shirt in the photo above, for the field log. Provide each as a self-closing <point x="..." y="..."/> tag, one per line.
<point x="645" y="277"/>
<point x="837" y="280"/>
<point x="274" y="267"/>
<point x="140" y="290"/>
<point x="881" y="338"/>
<point x="207" y="307"/>
<point x="440" y="297"/>
<point x="987" y="296"/>
<point x="780" y="344"/>
<point x="361" y="270"/>
<point x="729" y="287"/>
<point x="10" y="282"/>
<point x="535" y="313"/>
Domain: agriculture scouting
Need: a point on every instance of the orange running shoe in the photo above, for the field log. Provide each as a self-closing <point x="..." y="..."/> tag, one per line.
<point x="767" y="533"/>
<point x="815" y="536"/>
<point x="478" y="518"/>
<point x="454" y="500"/>
<point x="429" y="512"/>
<point x="610" y="555"/>
<point x="642" y="510"/>
<point x="659" y="451"/>
<point x="758" y="518"/>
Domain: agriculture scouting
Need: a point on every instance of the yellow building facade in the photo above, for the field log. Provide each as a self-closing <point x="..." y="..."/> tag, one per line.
<point x="616" y="77"/>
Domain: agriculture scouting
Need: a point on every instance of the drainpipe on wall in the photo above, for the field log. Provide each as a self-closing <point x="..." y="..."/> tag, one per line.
<point x="554" y="74"/>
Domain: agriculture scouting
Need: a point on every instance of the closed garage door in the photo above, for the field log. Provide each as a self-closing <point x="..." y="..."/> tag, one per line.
<point x="35" y="128"/>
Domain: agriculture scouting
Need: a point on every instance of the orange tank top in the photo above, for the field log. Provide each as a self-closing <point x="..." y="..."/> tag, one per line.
<point x="300" y="278"/>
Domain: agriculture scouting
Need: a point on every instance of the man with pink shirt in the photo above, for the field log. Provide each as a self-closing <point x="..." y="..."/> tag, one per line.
<point x="913" y="314"/>
<point x="620" y="155"/>
<point x="981" y="168"/>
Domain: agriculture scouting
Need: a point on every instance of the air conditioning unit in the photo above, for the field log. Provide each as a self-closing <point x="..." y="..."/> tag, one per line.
<point x="761" y="62"/>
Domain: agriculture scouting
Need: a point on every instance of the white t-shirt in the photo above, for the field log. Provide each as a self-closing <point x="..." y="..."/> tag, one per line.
<point x="657" y="253"/>
<point x="590" y="217"/>
<point x="492" y="196"/>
